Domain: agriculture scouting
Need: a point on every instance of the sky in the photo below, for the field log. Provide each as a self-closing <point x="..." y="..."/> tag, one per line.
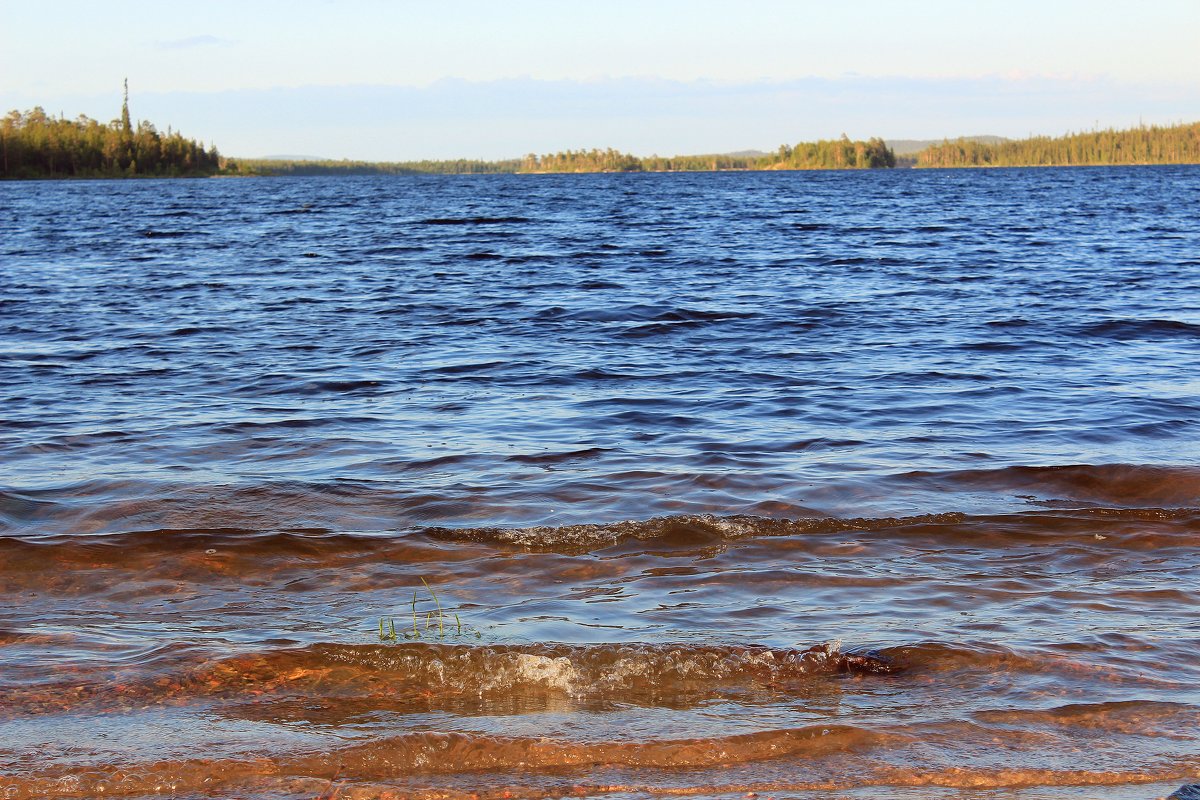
<point x="401" y="80"/>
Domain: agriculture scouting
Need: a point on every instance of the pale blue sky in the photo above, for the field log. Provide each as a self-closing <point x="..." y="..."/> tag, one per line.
<point x="398" y="80"/>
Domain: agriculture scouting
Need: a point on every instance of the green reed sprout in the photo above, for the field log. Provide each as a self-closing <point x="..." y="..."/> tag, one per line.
<point x="434" y="618"/>
<point x="437" y="603"/>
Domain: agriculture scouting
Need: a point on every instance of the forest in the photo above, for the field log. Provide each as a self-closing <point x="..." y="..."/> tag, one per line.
<point x="826" y="154"/>
<point x="284" y="166"/>
<point x="832" y="154"/>
<point x="36" y="145"/>
<point x="1178" y="144"/>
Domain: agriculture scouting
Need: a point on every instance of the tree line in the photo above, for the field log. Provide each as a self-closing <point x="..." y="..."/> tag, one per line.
<point x="834" y="154"/>
<point x="36" y="145"/>
<point x="284" y="166"/>
<point x="1178" y="144"/>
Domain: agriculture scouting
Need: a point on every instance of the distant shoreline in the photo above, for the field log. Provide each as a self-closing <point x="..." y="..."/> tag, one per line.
<point x="34" y="146"/>
<point x="1143" y="146"/>
<point x="363" y="174"/>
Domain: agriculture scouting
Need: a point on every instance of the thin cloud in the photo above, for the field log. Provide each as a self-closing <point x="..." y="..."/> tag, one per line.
<point x="204" y="40"/>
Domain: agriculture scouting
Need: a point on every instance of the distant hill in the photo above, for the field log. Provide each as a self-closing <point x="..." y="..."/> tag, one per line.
<point x="910" y="147"/>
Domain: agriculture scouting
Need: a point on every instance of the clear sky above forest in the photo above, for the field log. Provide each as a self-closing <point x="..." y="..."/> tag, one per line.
<point x="404" y="80"/>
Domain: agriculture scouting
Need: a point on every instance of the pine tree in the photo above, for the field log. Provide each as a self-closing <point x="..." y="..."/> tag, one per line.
<point x="126" y="125"/>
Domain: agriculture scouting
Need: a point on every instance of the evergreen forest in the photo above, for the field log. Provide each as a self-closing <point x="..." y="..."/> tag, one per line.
<point x="840" y="153"/>
<point x="36" y="145"/>
<point x="1178" y="144"/>
<point x="286" y="166"/>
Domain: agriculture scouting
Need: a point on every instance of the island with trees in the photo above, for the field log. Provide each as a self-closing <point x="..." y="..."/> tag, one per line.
<point x="840" y="153"/>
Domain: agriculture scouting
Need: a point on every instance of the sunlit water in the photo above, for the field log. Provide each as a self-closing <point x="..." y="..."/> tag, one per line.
<point x="797" y="484"/>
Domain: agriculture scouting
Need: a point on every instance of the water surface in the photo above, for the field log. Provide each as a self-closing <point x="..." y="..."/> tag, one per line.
<point x="801" y="484"/>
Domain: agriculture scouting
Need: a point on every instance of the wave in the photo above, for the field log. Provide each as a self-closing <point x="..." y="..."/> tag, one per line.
<point x="640" y="313"/>
<point x="1124" y="330"/>
<point x="282" y="518"/>
<point x="441" y="751"/>
<point x="432" y="753"/>
<point x="1129" y="717"/>
<point x="415" y="675"/>
<point x="402" y="765"/>
<point x="151" y="233"/>
<point x="396" y="675"/>
<point x="474" y="221"/>
<point x="676" y="532"/>
<point x="1019" y="501"/>
<point x="1116" y="527"/>
<point x="1094" y="664"/>
<point x="1103" y="484"/>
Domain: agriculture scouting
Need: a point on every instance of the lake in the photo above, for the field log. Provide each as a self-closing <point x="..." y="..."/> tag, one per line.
<point x="806" y="485"/>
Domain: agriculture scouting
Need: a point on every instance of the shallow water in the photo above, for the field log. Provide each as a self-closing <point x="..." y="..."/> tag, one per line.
<point x="797" y="484"/>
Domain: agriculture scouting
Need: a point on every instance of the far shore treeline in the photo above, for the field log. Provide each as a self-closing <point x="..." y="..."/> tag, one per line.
<point x="35" y="145"/>
<point x="1178" y="144"/>
<point x="840" y="153"/>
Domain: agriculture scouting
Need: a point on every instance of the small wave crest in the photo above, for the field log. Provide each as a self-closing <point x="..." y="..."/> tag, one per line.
<point x="1135" y="329"/>
<point x="429" y="752"/>
<point x="383" y="768"/>
<point x="480" y="220"/>
<point x="1129" y="717"/>
<point x="1117" y="527"/>
<point x="677" y="532"/>
<point x="1121" y="485"/>
<point x="610" y="668"/>
<point x="396" y="504"/>
<point x="395" y="675"/>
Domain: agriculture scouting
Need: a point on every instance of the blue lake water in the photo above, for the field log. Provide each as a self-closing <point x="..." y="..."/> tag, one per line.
<point x="810" y="484"/>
